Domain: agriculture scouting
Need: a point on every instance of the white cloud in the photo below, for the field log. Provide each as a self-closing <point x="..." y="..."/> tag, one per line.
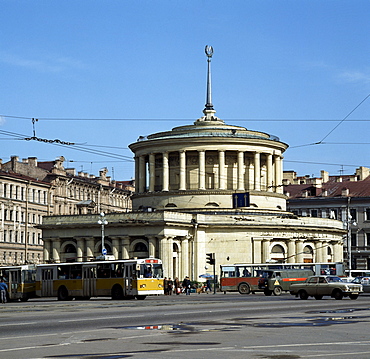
<point x="354" y="76"/>
<point x="46" y="64"/>
<point x="2" y="120"/>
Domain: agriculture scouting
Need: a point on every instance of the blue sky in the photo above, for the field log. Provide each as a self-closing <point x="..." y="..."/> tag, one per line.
<point x="102" y="73"/>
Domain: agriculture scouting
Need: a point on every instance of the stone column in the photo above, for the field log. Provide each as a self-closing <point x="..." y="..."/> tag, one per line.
<point x="182" y="171"/>
<point x="184" y="258"/>
<point x="265" y="250"/>
<point x="241" y="186"/>
<point x="152" y="245"/>
<point x="338" y="252"/>
<point x="165" y="174"/>
<point x="151" y="172"/>
<point x="291" y="255"/>
<point x="257" y="250"/>
<point x="90" y="248"/>
<point x="257" y="171"/>
<point x="278" y="175"/>
<point x="170" y="256"/>
<point x="142" y="174"/>
<point x="137" y="174"/>
<point x="56" y="250"/>
<point x="80" y="249"/>
<point x="222" y="175"/>
<point x="299" y="250"/>
<point x="47" y="249"/>
<point x="269" y="173"/>
<point x="125" y="247"/>
<point x="115" y="249"/>
<point x="318" y="251"/>
<point x="202" y="169"/>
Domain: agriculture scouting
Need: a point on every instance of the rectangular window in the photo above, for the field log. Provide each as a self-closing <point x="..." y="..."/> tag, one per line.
<point x="367" y="214"/>
<point x="353" y="240"/>
<point x="368" y="239"/>
<point x="353" y="214"/>
<point x="314" y="213"/>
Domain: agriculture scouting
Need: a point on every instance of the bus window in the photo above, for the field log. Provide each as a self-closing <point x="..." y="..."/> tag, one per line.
<point x="63" y="272"/>
<point x="228" y="272"/>
<point x="157" y="270"/>
<point x="75" y="271"/>
<point x="103" y="270"/>
<point x="118" y="270"/>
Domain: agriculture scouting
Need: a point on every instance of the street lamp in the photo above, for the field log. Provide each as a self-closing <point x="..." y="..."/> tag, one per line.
<point x="102" y="221"/>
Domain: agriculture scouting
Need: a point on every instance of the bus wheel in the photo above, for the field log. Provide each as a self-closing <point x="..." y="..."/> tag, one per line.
<point x="267" y="292"/>
<point x="277" y="291"/>
<point x="63" y="293"/>
<point x="117" y="292"/>
<point x="244" y="288"/>
<point x="140" y="297"/>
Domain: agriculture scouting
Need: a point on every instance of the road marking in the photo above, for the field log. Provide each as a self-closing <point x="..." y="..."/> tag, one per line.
<point x="26" y="323"/>
<point x="99" y="318"/>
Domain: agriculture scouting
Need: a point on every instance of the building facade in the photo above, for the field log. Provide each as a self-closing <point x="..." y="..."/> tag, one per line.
<point x="345" y="198"/>
<point x="208" y="187"/>
<point x="30" y="190"/>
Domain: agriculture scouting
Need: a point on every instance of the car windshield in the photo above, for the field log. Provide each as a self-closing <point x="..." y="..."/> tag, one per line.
<point x="333" y="279"/>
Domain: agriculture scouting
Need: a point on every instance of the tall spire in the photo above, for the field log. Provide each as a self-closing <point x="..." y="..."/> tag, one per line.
<point x="209" y="52"/>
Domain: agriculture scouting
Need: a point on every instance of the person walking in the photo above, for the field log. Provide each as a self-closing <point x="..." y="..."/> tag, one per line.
<point x="186" y="285"/>
<point x="170" y="286"/>
<point x="177" y="286"/>
<point x="3" y="290"/>
<point x="165" y="285"/>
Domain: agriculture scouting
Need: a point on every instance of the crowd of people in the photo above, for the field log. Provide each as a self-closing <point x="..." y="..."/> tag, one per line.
<point x="177" y="287"/>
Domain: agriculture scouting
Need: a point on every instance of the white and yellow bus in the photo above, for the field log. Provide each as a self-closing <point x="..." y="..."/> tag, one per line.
<point x="20" y="280"/>
<point x="118" y="279"/>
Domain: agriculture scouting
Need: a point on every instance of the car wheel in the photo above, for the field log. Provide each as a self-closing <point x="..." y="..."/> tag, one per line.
<point x="337" y="294"/>
<point x="244" y="288"/>
<point x="277" y="291"/>
<point x="353" y="296"/>
<point x="318" y="297"/>
<point x="303" y="294"/>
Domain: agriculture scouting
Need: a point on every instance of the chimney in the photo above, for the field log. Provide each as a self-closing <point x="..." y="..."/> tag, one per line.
<point x="32" y="161"/>
<point x="345" y="192"/>
<point x="362" y="173"/>
<point x="325" y="176"/>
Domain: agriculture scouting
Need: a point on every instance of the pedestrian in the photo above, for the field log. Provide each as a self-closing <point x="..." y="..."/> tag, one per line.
<point x="3" y="290"/>
<point x="186" y="285"/>
<point x="165" y="285"/>
<point x="170" y="286"/>
<point x="208" y="286"/>
<point x="177" y="286"/>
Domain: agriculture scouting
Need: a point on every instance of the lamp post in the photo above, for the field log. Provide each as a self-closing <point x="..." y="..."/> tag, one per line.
<point x="102" y="221"/>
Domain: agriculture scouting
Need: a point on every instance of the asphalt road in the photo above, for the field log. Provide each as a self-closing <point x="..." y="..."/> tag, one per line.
<point x="195" y="326"/>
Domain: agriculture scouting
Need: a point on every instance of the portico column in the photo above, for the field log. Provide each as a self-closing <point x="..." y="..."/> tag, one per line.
<point x="125" y="247"/>
<point x="115" y="249"/>
<point x="137" y="174"/>
<point x="80" y="249"/>
<point x="257" y="250"/>
<point x="142" y="174"/>
<point x="318" y="250"/>
<point x="151" y="172"/>
<point x="182" y="171"/>
<point x="291" y="255"/>
<point x="338" y="252"/>
<point x="90" y="248"/>
<point x="56" y="250"/>
<point x="299" y="250"/>
<point x="278" y="175"/>
<point x="165" y="174"/>
<point x="269" y="173"/>
<point x="202" y="169"/>
<point x="241" y="186"/>
<point x="257" y="171"/>
<point x="47" y="248"/>
<point x="265" y="250"/>
<point x="221" y="164"/>
<point x="152" y="245"/>
<point x="185" y="257"/>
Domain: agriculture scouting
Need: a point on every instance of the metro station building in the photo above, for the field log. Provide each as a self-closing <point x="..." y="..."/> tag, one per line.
<point x="207" y="187"/>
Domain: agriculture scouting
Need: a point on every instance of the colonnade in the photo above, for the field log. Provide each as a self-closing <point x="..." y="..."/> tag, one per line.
<point x="251" y="167"/>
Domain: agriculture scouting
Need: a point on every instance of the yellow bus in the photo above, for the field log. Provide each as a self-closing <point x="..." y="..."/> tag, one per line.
<point x="118" y="279"/>
<point x="20" y="280"/>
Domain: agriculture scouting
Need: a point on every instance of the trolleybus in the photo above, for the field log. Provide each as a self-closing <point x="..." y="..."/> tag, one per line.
<point x="118" y="279"/>
<point x="20" y="280"/>
<point x="243" y="278"/>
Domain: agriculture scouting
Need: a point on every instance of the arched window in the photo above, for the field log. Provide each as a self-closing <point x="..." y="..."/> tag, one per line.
<point x="141" y="247"/>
